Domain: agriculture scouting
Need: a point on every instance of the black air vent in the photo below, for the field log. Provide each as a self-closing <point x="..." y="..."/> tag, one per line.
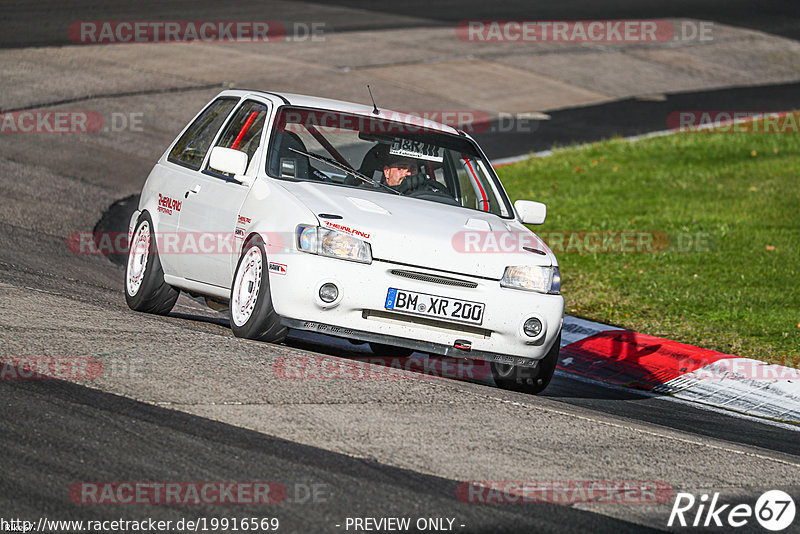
<point x="435" y="279"/>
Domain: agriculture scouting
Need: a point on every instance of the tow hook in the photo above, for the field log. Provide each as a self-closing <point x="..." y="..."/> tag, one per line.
<point x="463" y="344"/>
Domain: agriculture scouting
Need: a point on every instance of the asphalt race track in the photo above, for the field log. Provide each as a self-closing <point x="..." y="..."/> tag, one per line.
<point x="181" y="400"/>
<point x="628" y="117"/>
<point x="39" y="25"/>
<point x="186" y="447"/>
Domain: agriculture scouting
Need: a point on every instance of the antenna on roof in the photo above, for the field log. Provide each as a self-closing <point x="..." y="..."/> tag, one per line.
<point x="375" y="109"/>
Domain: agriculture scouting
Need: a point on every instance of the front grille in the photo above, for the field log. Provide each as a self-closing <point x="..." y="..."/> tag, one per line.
<point x="435" y="279"/>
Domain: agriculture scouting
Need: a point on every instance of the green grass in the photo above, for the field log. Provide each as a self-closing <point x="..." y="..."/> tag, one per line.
<point x="739" y="293"/>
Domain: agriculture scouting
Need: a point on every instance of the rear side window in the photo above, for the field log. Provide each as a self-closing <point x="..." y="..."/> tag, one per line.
<point x="191" y="148"/>
<point x="244" y="130"/>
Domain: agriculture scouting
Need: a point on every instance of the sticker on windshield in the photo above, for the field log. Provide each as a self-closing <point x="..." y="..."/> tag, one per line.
<point x="416" y="149"/>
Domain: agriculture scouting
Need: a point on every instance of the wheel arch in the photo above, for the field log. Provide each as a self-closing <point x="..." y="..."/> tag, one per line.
<point x="134" y="220"/>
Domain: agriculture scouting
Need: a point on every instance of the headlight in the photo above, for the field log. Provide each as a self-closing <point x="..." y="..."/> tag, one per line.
<point x="533" y="278"/>
<point x="555" y="286"/>
<point x="307" y="238"/>
<point x="333" y="244"/>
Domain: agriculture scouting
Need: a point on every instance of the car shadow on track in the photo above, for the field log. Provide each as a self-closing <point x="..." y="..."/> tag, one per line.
<point x="115" y="219"/>
<point x="563" y="385"/>
<point x="219" y="321"/>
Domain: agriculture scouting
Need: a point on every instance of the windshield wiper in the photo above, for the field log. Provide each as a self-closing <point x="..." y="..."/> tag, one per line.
<point x="345" y="168"/>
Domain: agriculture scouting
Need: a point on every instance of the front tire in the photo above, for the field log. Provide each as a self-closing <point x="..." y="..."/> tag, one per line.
<point x="527" y="380"/>
<point x="145" y="288"/>
<point x="252" y="313"/>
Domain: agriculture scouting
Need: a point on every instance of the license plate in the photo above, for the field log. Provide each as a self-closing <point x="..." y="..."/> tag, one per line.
<point x="434" y="306"/>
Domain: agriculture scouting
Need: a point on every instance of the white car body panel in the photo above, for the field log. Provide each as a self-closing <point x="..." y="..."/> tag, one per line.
<point x="217" y="201"/>
<point x="364" y="287"/>
<point x="393" y="222"/>
<point x="404" y="234"/>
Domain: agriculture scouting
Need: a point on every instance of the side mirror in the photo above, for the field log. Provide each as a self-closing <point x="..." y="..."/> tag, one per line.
<point x="531" y="212"/>
<point x="288" y="168"/>
<point x="228" y="160"/>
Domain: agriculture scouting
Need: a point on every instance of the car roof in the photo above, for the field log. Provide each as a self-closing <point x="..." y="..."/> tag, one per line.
<point x="340" y="105"/>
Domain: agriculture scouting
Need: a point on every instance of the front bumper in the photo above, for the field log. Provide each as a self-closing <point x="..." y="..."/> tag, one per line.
<point x="414" y="344"/>
<point x="359" y="312"/>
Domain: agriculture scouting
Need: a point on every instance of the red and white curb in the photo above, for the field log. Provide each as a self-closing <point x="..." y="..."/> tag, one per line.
<point x="626" y="358"/>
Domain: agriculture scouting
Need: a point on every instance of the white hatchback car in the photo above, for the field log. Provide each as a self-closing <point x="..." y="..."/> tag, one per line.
<point x="371" y="225"/>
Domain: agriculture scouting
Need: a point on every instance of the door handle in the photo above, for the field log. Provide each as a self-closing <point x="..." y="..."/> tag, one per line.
<point x="195" y="189"/>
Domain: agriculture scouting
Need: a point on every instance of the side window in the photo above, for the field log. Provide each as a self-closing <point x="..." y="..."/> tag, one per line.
<point x="244" y="130"/>
<point x="191" y="148"/>
<point x="469" y="196"/>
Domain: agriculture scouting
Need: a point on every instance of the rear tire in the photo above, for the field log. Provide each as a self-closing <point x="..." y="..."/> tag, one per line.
<point x="252" y="313"/>
<point x="145" y="288"/>
<point x="527" y="380"/>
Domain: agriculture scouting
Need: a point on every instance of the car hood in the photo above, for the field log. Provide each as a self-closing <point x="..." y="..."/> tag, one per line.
<point x="424" y="233"/>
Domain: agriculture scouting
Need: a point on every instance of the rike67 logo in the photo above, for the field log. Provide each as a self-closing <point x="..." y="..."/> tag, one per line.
<point x="774" y="510"/>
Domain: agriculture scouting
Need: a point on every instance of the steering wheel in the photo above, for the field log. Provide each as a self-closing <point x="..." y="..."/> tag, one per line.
<point x="437" y="195"/>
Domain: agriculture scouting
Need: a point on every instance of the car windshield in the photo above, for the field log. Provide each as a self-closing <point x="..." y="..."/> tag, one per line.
<point x="392" y="157"/>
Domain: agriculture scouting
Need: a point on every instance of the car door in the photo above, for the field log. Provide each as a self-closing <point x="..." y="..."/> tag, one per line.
<point x="176" y="175"/>
<point x="211" y="210"/>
